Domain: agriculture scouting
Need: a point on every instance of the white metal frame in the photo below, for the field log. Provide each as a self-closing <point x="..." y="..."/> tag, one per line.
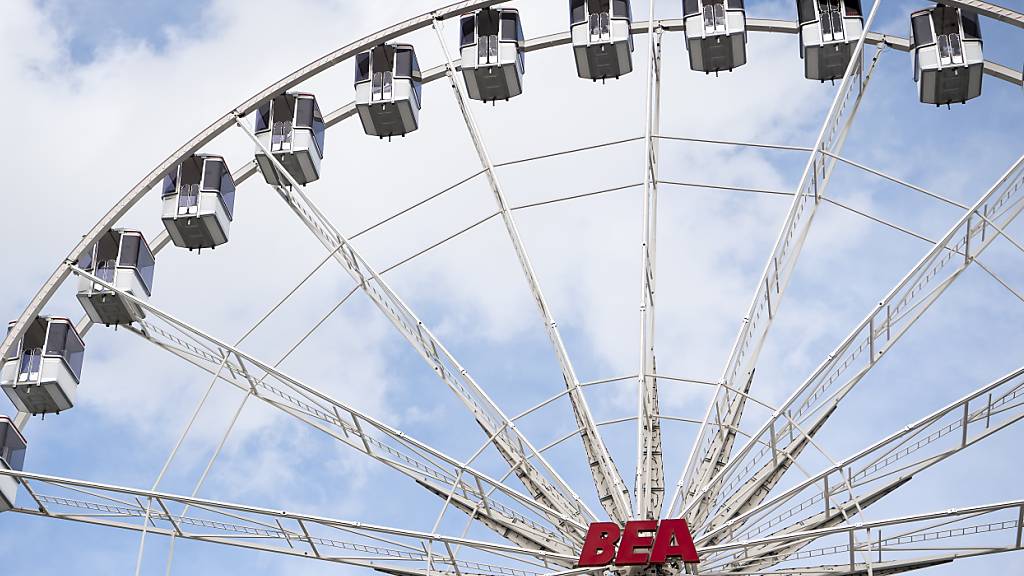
<point x="737" y="529"/>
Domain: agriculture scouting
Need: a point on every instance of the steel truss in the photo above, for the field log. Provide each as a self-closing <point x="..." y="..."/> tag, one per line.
<point x="392" y="550"/>
<point x="874" y="472"/>
<point x="751" y="475"/>
<point x="727" y="500"/>
<point x="610" y="488"/>
<point x="514" y="515"/>
<point x="716" y="438"/>
<point x="543" y="483"/>
<point x="650" y="468"/>
<point x="899" y="544"/>
<point x="345" y="53"/>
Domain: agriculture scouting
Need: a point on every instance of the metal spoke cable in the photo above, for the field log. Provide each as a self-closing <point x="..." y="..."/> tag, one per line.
<point x="473" y="176"/>
<point x="544" y="403"/>
<point x="826" y="198"/>
<point x="206" y="472"/>
<point x="735" y="143"/>
<point x="724" y="187"/>
<point x="202" y="402"/>
<point x="441" y="242"/>
<point x="881" y="174"/>
<point x="566" y="152"/>
<point x="408" y="209"/>
<point x="576" y="196"/>
<point x="613" y="494"/>
<point x="167" y="464"/>
<point x="896" y="227"/>
<point x="711" y="452"/>
<point x="999" y="279"/>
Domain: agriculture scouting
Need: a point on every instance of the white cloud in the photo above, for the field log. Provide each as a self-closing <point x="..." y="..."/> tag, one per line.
<point x="91" y="131"/>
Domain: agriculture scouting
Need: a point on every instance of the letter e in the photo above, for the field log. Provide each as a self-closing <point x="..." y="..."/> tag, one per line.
<point x="632" y="540"/>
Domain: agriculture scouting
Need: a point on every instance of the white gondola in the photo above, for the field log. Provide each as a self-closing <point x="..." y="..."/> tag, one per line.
<point x="948" y="61"/>
<point x="829" y="31"/>
<point x="292" y="128"/>
<point x="12" y="457"/>
<point x="41" y="373"/>
<point x="121" y="258"/>
<point x="716" y="34"/>
<point x="389" y="90"/>
<point x="198" y="202"/>
<point x="493" y="60"/>
<point x="602" y="39"/>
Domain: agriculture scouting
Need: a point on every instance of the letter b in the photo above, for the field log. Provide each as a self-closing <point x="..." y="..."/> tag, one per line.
<point x="599" y="547"/>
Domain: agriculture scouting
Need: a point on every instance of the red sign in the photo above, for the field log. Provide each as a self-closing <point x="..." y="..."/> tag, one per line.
<point x="643" y="542"/>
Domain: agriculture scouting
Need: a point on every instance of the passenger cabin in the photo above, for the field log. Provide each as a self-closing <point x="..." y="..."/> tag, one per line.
<point x="948" y="60"/>
<point x="829" y="31"/>
<point x="716" y="34"/>
<point x="389" y="90"/>
<point x="493" y="60"/>
<point x="292" y="128"/>
<point x="123" y="259"/>
<point x="12" y="457"/>
<point x="601" y="38"/>
<point x="41" y="372"/>
<point x="198" y="202"/>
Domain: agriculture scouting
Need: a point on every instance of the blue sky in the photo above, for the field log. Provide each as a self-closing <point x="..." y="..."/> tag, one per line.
<point x="92" y="25"/>
<point x="115" y="86"/>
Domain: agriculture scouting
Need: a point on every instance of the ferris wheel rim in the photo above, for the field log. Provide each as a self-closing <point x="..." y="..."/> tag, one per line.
<point x="343" y="113"/>
<point x="345" y="53"/>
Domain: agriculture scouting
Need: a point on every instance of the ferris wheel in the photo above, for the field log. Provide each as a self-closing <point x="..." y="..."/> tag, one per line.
<point x="759" y="492"/>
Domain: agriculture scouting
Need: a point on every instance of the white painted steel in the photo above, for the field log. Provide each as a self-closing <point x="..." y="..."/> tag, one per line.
<point x="712" y="450"/>
<point x="748" y="477"/>
<point x="506" y="438"/>
<point x="547" y="524"/>
<point x="247" y="526"/>
<point x="611" y="489"/>
<point x="649" y="487"/>
<point x="427" y="466"/>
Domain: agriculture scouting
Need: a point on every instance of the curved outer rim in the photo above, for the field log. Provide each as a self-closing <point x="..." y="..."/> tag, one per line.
<point x="334" y="58"/>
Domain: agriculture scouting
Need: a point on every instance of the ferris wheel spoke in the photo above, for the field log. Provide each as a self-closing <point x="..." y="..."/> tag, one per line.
<point x="650" y="469"/>
<point x="712" y="449"/>
<point x="748" y="478"/>
<point x="611" y="490"/>
<point x="293" y="534"/>
<point x="877" y="471"/>
<point x="543" y="483"/>
<point x="896" y="545"/>
<point x="514" y="515"/>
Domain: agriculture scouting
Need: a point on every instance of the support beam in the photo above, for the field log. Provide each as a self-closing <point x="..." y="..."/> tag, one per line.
<point x="910" y="542"/>
<point x="818" y="397"/>
<point x="711" y="451"/>
<point x="540" y="479"/>
<point x="878" y="470"/>
<point x="328" y="539"/>
<point x="513" y="515"/>
<point x="53" y="283"/>
<point x="650" y="468"/>
<point x="63" y="271"/>
<point x="610" y="488"/>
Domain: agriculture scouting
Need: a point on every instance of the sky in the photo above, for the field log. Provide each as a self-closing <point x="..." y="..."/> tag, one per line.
<point x="106" y="90"/>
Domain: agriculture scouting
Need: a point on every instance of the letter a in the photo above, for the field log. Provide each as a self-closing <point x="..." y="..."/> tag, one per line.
<point x="599" y="547"/>
<point x="674" y="529"/>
